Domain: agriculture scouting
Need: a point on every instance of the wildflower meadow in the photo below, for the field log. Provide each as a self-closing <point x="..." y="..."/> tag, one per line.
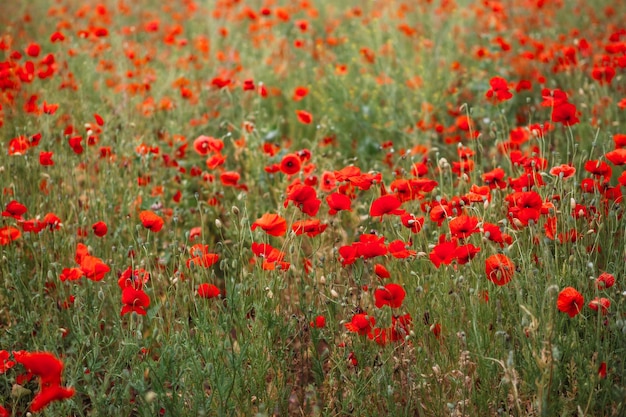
<point x="312" y="208"/>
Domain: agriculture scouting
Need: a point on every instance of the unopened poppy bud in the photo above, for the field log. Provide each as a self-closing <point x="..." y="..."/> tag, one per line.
<point x="235" y="210"/>
<point x="218" y="223"/>
<point x="334" y="294"/>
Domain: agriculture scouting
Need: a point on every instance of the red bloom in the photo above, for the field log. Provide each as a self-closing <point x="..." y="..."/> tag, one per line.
<point x="499" y="88"/>
<point x="135" y="278"/>
<point x="617" y="156"/>
<point x="48" y="369"/>
<point x="444" y="252"/>
<point x="361" y="324"/>
<point x="14" y="209"/>
<point x="151" y="220"/>
<point x="319" y="322"/>
<point x="304" y="117"/>
<point x="565" y="113"/>
<point x="463" y="226"/>
<point x="49" y="394"/>
<point x="413" y="223"/>
<point x="386" y="204"/>
<point x="290" y="164"/>
<point x="337" y="202"/>
<point x="601" y="304"/>
<point x="93" y="268"/>
<point x="605" y="280"/>
<point x="99" y="229"/>
<point x="381" y="271"/>
<point x="272" y="224"/>
<point x="570" y="301"/>
<point x="305" y="198"/>
<point x="134" y="300"/>
<point x="208" y="291"/>
<point x="8" y="234"/>
<point x="312" y="227"/>
<point x="499" y="269"/>
<point x="71" y="274"/>
<point x="524" y="206"/>
<point x="465" y="253"/>
<point x="391" y="295"/>
<point x="599" y="169"/>
<point x="399" y="249"/>
<point x="205" y="144"/>
<point x="563" y="171"/>
<point x="201" y="257"/>
<point x="45" y="158"/>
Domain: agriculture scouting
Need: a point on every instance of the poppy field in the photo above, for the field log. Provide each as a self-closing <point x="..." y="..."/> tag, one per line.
<point x="312" y="208"/>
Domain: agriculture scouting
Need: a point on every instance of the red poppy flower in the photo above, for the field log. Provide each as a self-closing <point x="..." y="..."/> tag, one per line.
<point x="494" y="178"/>
<point x="600" y="303"/>
<point x="565" y="114"/>
<point x="45" y="158"/>
<point x="312" y="227"/>
<point x="524" y="206"/>
<point x="499" y="269"/>
<point x="14" y="209"/>
<point x="9" y="234"/>
<point x="319" y="322"/>
<point x="391" y="295"/>
<point x="381" y="271"/>
<point x="151" y="220"/>
<point x="99" y="229"/>
<point x="272" y="224"/>
<point x="499" y="89"/>
<point x="599" y="169"/>
<point x="299" y="93"/>
<point x="50" y="394"/>
<point x="71" y="274"/>
<point x="361" y="324"/>
<point x="617" y="156"/>
<point x="48" y="368"/>
<point x="134" y="300"/>
<point x="570" y="301"/>
<point x="337" y="202"/>
<point x="205" y="144"/>
<point x="563" y="171"/>
<point x="304" y="117"/>
<point x="305" y="198"/>
<point x="208" y="291"/>
<point x="386" y="204"/>
<point x="201" y="257"/>
<point x="411" y="222"/>
<point x="290" y="164"/>
<point x="399" y="249"/>
<point x="93" y="268"/>
<point x="465" y="253"/>
<point x="605" y="280"/>
<point x="463" y="226"/>
<point x="135" y="278"/>
<point x="444" y="252"/>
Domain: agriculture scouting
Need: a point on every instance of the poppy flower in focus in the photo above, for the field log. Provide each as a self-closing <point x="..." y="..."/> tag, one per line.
<point x="272" y="224"/>
<point x="391" y="295"/>
<point x="463" y="226"/>
<point x="386" y="204"/>
<point x="312" y="227"/>
<point x="134" y="300"/>
<point x="381" y="271"/>
<point x="499" y="269"/>
<point x="337" y="202"/>
<point x="290" y="164"/>
<point x="208" y="291"/>
<point x="570" y="301"/>
<point x="361" y="324"/>
<point x="151" y="220"/>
